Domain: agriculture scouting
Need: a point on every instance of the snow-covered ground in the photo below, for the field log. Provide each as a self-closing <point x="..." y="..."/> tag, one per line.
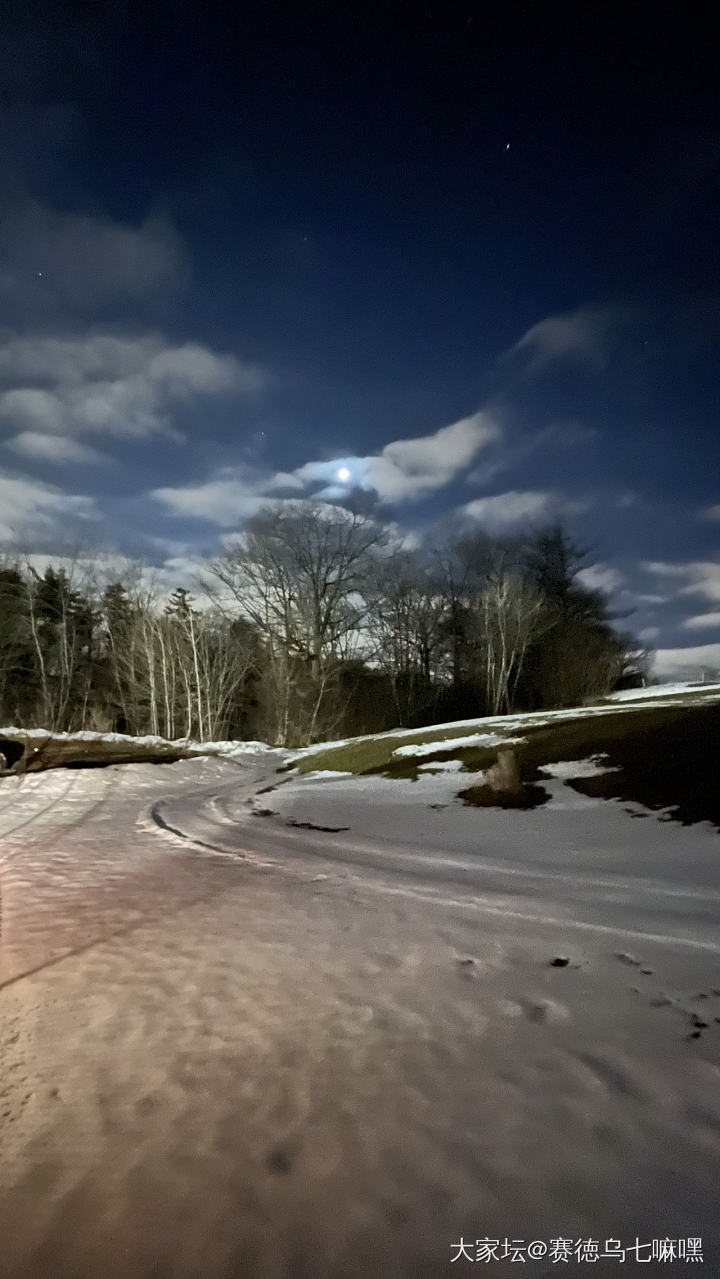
<point x="256" y="1024"/>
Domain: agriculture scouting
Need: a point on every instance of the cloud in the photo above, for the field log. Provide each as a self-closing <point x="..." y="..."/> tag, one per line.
<point x="32" y="509"/>
<point x="107" y="385"/>
<point x="581" y="336"/>
<point x="702" y="622"/>
<point x="687" y="663"/>
<point x="601" y="577"/>
<point x="504" y="511"/>
<point x="406" y="470"/>
<point x="558" y="436"/>
<point x="53" y="259"/>
<point x="710" y="513"/>
<point x="700" y="577"/>
<point x="225" y="500"/>
<point x="649" y="634"/>
<point x="52" y="448"/>
<point x="284" y="480"/>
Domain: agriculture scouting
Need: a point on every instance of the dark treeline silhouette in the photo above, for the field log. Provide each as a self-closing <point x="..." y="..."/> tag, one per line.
<point x="313" y="626"/>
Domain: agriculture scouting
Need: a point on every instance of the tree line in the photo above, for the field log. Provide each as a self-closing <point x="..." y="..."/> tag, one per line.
<point x="312" y="626"/>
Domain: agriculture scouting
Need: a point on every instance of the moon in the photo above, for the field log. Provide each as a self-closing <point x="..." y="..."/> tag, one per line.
<point x="343" y="475"/>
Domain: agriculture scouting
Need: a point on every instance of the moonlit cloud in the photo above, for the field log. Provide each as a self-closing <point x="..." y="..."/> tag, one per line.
<point x="583" y="335"/>
<point x="30" y="509"/>
<point x="53" y="448"/>
<point x="700" y="577"/>
<point x="406" y="470"/>
<point x="505" y="511"/>
<point x="225" y="500"/>
<point x="702" y="622"/>
<point x="601" y="577"/>
<point x="104" y="385"/>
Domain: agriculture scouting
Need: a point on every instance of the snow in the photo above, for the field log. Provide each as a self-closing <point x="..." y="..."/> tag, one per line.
<point x="458" y="743"/>
<point x="45" y="734"/>
<point x="212" y="1020"/>
<point x="231" y="748"/>
<point x="438" y="766"/>
<point x="326" y="774"/>
<point x="569" y="768"/>
<point x="652" y="692"/>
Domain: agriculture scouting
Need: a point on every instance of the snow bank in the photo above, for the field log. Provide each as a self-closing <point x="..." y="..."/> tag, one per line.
<point x="458" y="743"/>
<point x="662" y="690"/>
<point x="438" y="766"/>
<point x="569" y="768"/>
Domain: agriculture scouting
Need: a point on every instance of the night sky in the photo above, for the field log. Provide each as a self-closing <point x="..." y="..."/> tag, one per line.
<point x="462" y="259"/>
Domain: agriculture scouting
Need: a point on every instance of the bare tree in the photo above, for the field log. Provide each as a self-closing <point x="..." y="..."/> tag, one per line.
<point x="509" y="615"/>
<point x="299" y="574"/>
<point x="405" y="626"/>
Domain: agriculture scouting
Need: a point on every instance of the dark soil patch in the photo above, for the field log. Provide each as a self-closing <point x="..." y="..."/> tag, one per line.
<point x="665" y="765"/>
<point x="312" y="826"/>
<point x="485" y="797"/>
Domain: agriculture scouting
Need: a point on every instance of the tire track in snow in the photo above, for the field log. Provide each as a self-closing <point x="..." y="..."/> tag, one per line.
<point x="402" y="862"/>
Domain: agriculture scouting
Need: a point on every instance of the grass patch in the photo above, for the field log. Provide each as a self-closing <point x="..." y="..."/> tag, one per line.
<point x="666" y="757"/>
<point x="375" y="754"/>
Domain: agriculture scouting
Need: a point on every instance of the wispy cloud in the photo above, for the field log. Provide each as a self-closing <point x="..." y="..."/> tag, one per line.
<point x="226" y="499"/>
<point x="698" y="577"/>
<point x="78" y="263"/>
<point x="504" y="511"/>
<point x="112" y="386"/>
<point x="584" y="335"/>
<point x="558" y="437"/>
<point x="53" y="448"/>
<point x="602" y="577"/>
<point x="30" y="509"/>
<point x="702" y="622"/>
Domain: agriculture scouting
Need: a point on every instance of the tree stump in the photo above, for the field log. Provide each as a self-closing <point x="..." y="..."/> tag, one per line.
<point x="504" y="776"/>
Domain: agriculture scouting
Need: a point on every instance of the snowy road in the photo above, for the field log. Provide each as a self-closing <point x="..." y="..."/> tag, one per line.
<point x="236" y="1046"/>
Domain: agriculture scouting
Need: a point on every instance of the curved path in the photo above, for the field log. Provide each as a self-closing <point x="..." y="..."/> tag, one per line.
<point x="234" y="1047"/>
